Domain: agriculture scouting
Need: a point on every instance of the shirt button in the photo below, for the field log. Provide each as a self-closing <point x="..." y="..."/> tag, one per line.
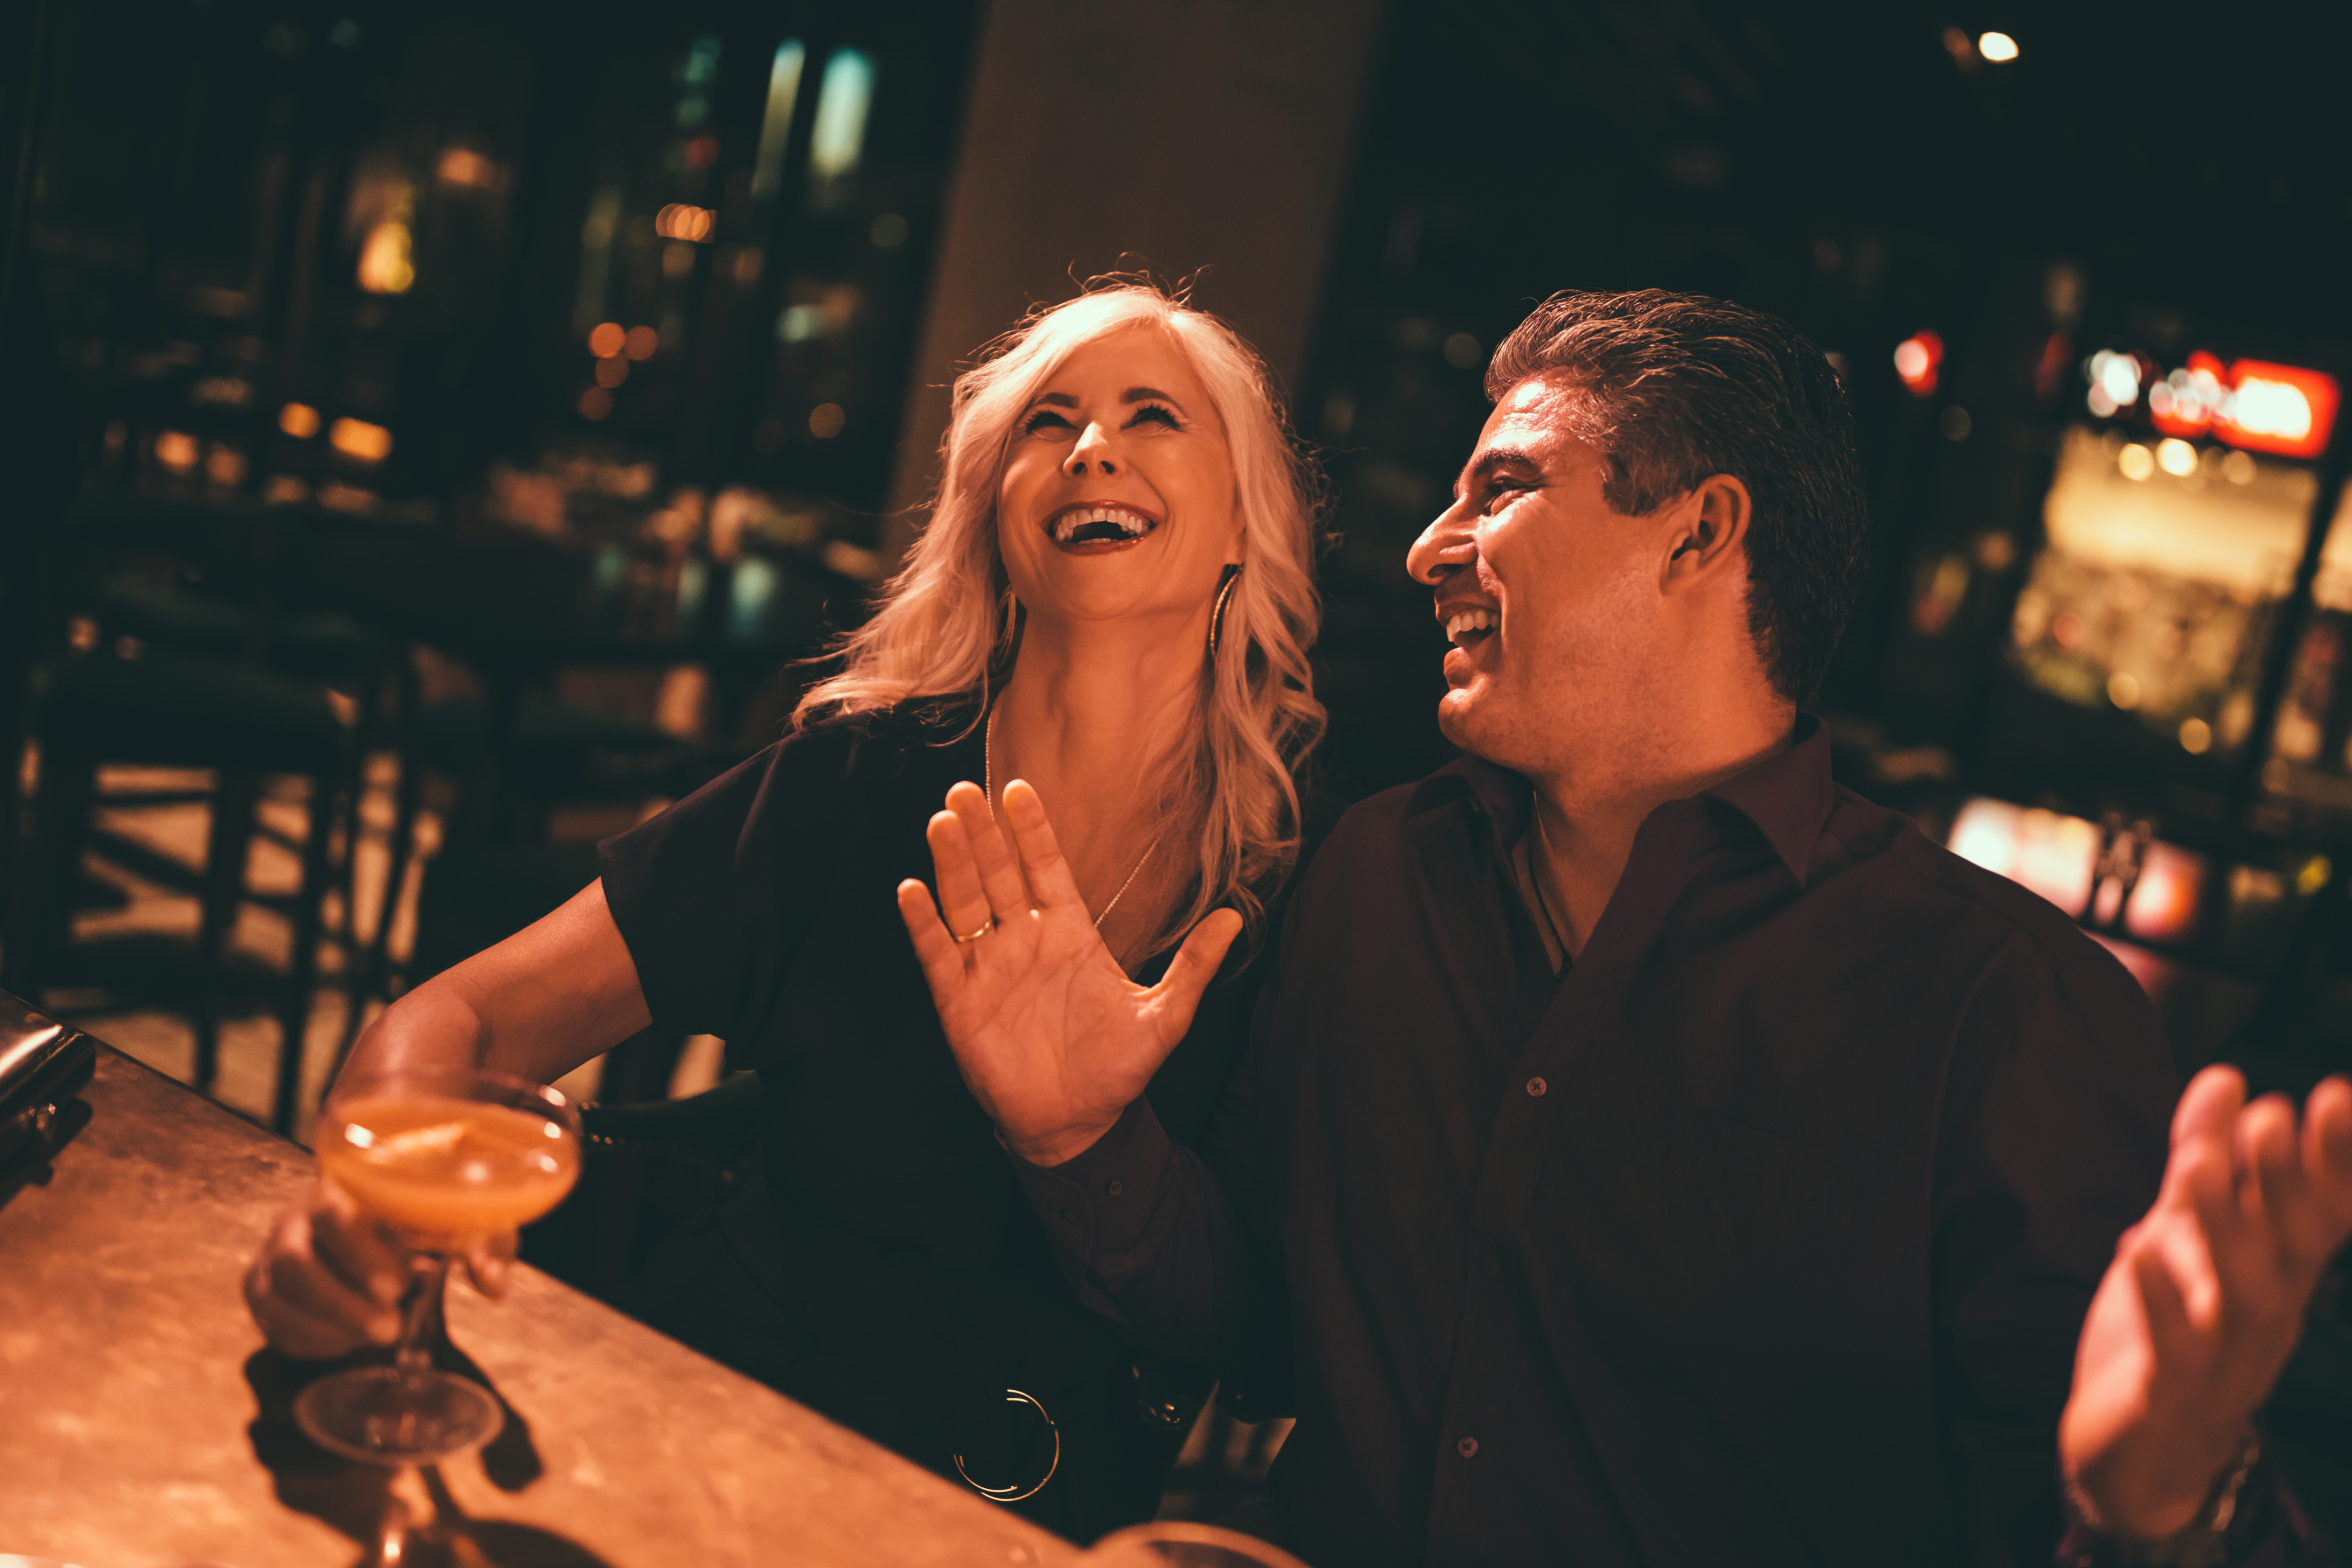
<point x="1072" y="1216"/>
<point x="1467" y="1447"/>
<point x="1535" y="1087"/>
<point x="1115" y="1187"/>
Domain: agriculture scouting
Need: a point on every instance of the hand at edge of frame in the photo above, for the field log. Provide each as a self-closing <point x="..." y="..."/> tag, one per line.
<point x="2204" y="1301"/>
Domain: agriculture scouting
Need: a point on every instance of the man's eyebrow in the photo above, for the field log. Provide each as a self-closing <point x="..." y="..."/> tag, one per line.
<point x="1482" y="468"/>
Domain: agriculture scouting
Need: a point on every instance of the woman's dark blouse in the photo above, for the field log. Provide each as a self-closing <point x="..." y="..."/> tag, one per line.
<point x="892" y="1273"/>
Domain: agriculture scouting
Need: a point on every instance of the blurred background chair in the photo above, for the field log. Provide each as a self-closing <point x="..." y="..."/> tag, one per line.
<point x="237" y="725"/>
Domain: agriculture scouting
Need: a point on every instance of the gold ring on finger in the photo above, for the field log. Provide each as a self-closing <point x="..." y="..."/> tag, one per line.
<point x="976" y="935"/>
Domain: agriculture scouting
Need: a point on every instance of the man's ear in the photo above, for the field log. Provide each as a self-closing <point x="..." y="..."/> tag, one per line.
<point x="1707" y="532"/>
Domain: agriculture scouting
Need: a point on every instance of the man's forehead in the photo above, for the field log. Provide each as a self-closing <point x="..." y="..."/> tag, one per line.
<point x="1531" y="420"/>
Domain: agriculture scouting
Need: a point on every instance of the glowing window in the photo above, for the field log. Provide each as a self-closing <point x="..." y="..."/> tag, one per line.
<point x="358" y="438"/>
<point x="776" y="125"/>
<point x="839" y="136"/>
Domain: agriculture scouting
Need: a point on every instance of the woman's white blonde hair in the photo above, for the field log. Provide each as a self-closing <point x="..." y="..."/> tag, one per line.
<point x="946" y="626"/>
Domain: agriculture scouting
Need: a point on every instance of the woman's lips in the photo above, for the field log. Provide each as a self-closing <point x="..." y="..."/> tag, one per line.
<point x="1098" y="526"/>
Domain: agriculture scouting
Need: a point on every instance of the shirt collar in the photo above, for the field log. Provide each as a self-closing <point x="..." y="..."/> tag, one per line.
<point x="1787" y="797"/>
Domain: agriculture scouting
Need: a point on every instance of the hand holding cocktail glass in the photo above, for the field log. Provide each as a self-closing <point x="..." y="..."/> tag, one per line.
<point x="417" y="1167"/>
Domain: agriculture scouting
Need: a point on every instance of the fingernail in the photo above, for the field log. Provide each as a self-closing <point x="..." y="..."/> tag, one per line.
<point x="385" y="1287"/>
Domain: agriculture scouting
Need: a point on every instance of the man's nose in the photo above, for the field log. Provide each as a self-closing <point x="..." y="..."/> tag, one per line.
<point x="1446" y="545"/>
<point x="1092" y="455"/>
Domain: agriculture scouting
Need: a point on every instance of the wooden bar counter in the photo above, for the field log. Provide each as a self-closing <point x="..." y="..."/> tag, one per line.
<point x="143" y="1424"/>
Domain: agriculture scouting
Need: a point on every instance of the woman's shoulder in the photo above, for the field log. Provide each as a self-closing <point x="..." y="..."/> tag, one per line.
<point x="872" y="746"/>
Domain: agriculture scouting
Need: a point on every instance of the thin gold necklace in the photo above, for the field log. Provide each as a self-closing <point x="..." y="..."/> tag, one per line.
<point x="988" y="789"/>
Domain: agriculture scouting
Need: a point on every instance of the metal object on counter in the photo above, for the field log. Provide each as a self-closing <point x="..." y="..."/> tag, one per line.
<point x="43" y="1065"/>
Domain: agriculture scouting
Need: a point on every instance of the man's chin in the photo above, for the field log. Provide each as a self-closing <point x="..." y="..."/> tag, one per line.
<point x="1457" y="719"/>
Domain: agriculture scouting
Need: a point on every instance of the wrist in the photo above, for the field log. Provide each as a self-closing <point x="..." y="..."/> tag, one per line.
<point x="2180" y="1530"/>
<point x="1058" y="1147"/>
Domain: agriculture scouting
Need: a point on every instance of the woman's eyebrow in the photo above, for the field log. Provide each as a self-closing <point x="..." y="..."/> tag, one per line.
<point x="1132" y="394"/>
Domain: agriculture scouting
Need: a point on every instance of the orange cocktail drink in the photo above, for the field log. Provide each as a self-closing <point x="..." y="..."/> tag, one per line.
<point x="440" y="1170"/>
<point x="446" y="1157"/>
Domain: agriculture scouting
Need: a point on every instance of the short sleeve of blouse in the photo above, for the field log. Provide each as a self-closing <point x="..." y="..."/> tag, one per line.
<point x="715" y="896"/>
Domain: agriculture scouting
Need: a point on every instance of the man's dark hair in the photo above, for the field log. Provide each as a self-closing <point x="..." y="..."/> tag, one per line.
<point x="1679" y="387"/>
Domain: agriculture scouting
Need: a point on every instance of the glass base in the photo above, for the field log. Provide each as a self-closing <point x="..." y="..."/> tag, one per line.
<point x="382" y="1415"/>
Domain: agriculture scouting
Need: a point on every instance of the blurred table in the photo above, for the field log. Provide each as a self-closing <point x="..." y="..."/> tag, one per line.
<point x="146" y="1427"/>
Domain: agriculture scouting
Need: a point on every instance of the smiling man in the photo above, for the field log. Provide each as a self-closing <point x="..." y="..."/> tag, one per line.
<point x="1651" y="1151"/>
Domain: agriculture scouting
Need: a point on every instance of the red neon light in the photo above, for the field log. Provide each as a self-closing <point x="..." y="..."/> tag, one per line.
<point x="2184" y="402"/>
<point x="2278" y="408"/>
<point x="1917" y="358"/>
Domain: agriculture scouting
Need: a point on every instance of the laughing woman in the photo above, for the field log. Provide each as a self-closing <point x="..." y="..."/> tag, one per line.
<point x="1113" y="601"/>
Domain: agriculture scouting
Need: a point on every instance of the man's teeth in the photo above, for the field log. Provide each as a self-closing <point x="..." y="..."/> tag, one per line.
<point x="1462" y="621"/>
<point x="1095" y="524"/>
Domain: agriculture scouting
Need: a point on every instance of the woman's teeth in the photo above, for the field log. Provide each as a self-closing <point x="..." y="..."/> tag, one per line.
<point x="1101" y="525"/>
<point x="1462" y="621"/>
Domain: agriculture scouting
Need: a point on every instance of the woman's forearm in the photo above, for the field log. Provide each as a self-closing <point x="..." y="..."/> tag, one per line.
<point x="549" y="997"/>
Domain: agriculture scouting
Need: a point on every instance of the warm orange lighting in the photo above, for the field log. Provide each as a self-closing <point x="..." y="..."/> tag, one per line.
<point x="176" y="450"/>
<point x="1998" y="48"/>
<point x="463" y="166"/>
<point x="679" y="221"/>
<point x="224" y="465"/>
<point x="2040" y="850"/>
<point x="641" y="343"/>
<point x="607" y="340"/>
<point x="358" y="438"/>
<point x="299" y="420"/>
<point x="1918" y="359"/>
<point x="612" y="371"/>
<point x="702" y="151"/>
<point x="825" y="421"/>
<point x="2163" y="904"/>
<point x="386" y="266"/>
<point x="2277" y="408"/>
<point x="596" y="403"/>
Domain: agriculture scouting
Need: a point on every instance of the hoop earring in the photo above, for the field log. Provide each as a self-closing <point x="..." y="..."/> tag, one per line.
<point x="1217" y="615"/>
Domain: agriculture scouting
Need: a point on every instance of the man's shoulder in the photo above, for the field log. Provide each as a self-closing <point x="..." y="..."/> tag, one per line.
<point x="1947" y="891"/>
<point x="1368" y="825"/>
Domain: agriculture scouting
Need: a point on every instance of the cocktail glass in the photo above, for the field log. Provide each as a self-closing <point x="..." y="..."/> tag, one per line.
<point x="1179" y="1543"/>
<point x="443" y="1156"/>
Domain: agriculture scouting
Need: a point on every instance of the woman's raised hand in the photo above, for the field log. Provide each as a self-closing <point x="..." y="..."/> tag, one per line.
<point x="1054" y="1039"/>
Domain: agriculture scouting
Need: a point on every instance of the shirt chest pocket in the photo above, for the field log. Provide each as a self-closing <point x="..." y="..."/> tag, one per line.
<point x="1707" y="1226"/>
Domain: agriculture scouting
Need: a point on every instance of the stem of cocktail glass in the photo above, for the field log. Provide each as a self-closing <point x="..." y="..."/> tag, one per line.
<point x="410" y="1356"/>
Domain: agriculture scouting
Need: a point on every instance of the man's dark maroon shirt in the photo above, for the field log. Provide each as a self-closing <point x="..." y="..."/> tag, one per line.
<point x="1763" y="1235"/>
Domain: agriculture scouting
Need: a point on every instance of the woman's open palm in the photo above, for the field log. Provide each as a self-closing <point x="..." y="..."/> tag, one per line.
<point x="1054" y="1039"/>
